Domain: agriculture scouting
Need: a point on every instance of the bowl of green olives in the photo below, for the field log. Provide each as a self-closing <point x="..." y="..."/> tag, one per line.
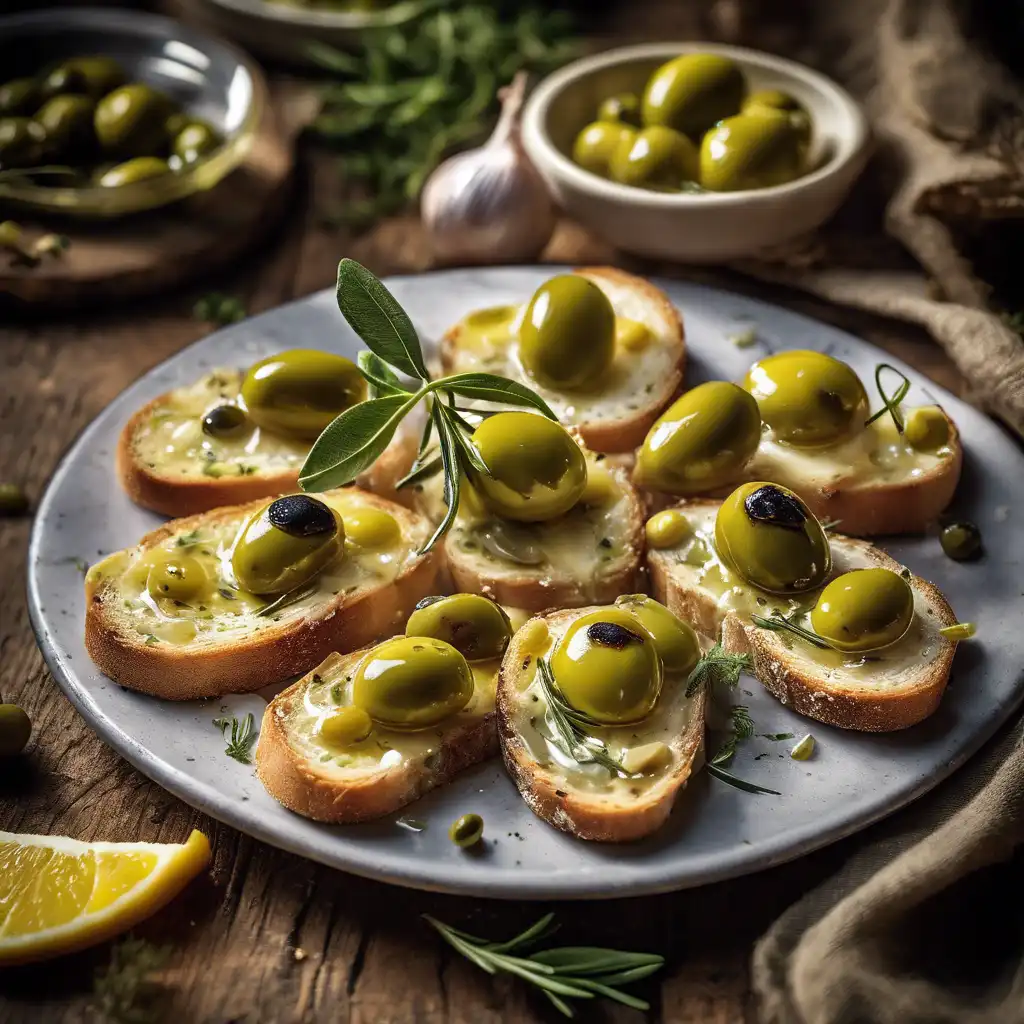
<point x="105" y="113"/>
<point x="695" y="152"/>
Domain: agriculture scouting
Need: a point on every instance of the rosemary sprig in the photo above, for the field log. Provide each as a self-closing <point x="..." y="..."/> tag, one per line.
<point x="243" y="737"/>
<point x="718" y="772"/>
<point x="289" y="597"/>
<point x="891" y="403"/>
<point x="123" y="991"/>
<point x="779" y="623"/>
<point x="560" y="973"/>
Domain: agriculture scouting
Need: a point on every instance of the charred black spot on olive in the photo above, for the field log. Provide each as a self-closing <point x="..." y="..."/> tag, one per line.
<point x="426" y="602"/>
<point x="301" y="516"/>
<point x="611" y="634"/>
<point x="225" y="421"/>
<point x="776" y="507"/>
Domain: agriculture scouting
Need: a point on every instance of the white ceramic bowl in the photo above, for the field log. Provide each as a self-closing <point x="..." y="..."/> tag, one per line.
<point x="704" y="227"/>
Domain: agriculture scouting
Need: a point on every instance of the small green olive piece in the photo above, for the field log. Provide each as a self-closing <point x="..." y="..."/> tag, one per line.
<point x="193" y="141"/>
<point x="467" y="831"/>
<point x="961" y="541"/>
<point x="13" y="501"/>
<point x="701" y="441"/>
<point x="371" y="528"/>
<point x="141" y="168"/>
<point x="674" y="640"/>
<point x="607" y="667"/>
<point x="959" y="631"/>
<point x="21" y="142"/>
<point x="863" y="610"/>
<point x="535" y="470"/>
<point x="804" y="749"/>
<point x="926" y="428"/>
<point x="412" y="682"/>
<point x="756" y="150"/>
<point x="85" y="76"/>
<point x="19" y="97"/>
<point x="596" y="144"/>
<point x="475" y="626"/>
<point x="657" y="158"/>
<point x="15" y="730"/>
<point x="567" y="336"/>
<point x="226" y="421"/>
<point x="177" y="577"/>
<point x="286" y="544"/>
<point x="622" y="108"/>
<point x="299" y="392"/>
<point x="67" y="121"/>
<point x="667" y="529"/>
<point x="808" y="399"/>
<point x="692" y="92"/>
<point x="130" y="120"/>
<point x="767" y="536"/>
<point x="345" y="726"/>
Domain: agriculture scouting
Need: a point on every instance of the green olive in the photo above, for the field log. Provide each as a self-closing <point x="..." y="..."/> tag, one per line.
<point x="87" y="76"/>
<point x="475" y="626"/>
<point x="412" y="682"/>
<point x="177" y="577"/>
<point x="21" y="142"/>
<point x="535" y="470"/>
<point x="130" y="120"/>
<point x="286" y="543"/>
<point x="667" y="529"/>
<point x="656" y="158"/>
<point x="701" y="441"/>
<point x="767" y="536"/>
<point x="13" y="500"/>
<point x="863" y="610"/>
<point x="19" y="97"/>
<point x="674" y="640"/>
<point x="623" y="108"/>
<point x="808" y="398"/>
<point x="141" y="168"/>
<point x="692" y="92"/>
<point x="961" y="541"/>
<point x="755" y="150"/>
<point x="776" y="99"/>
<point x="926" y="428"/>
<point x="567" y="337"/>
<point x="345" y="726"/>
<point x="298" y="392"/>
<point x="596" y="144"/>
<point x="607" y="667"/>
<point x="370" y="528"/>
<point x="226" y="421"/>
<point x="15" y="730"/>
<point x="467" y="831"/>
<point x="67" y="121"/>
<point x="193" y="141"/>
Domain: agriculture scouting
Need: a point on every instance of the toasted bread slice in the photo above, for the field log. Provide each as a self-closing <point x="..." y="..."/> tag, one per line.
<point x="229" y="641"/>
<point x="588" y="801"/>
<point x="892" y="688"/>
<point x="642" y="380"/>
<point x="379" y="775"/>
<point x="166" y="462"/>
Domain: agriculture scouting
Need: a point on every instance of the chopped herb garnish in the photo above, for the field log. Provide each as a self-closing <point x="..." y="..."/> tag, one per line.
<point x="152" y="640"/>
<point x="717" y="668"/>
<point x="187" y="540"/>
<point x="219" y="309"/>
<point x="242" y="738"/>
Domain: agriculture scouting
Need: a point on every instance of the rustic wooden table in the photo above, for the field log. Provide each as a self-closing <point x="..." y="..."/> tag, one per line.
<point x="266" y="936"/>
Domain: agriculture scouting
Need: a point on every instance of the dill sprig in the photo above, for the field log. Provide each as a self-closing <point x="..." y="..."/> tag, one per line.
<point x="717" y="667"/>
<point x="123" y="990"/>
<point x="741" y="728"/>
<point x="243" y="737"/>
<point x="891" y="403"/>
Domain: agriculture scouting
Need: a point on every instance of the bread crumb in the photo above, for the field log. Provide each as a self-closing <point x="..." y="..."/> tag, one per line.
<point x="300" y="954"/>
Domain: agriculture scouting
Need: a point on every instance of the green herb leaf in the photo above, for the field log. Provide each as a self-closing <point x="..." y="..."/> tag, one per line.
<point x="421" y="471"/>
<point x="741" y="728"/>
<point x="382" y="379"/>
<point x="243" y="737"/>
<point x="748" y="787"/>
<point x="452" y="474"/>
<point x="488" y="387"/>
<point x="717" y="668"/>
<point x="288" y="598"/>
<point x="891" y="402"/>
<point x="779" y="623"/>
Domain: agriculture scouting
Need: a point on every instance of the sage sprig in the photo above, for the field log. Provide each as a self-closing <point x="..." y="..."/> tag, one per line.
<point x="356" y="438"/>
<point x="890" y="403"/>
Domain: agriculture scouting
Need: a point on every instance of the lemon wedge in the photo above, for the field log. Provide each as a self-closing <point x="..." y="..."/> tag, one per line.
<point x="58" y="895"/>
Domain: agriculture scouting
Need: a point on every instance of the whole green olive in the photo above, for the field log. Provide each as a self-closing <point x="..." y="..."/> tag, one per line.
<point x="86" y="76"/>
<point x="193" y="141"/>
<point x="596" y="144"/>
<point x="19" y="97"/>
<point x="67" y="121"/>
<point x="466" y="831"/>
<point x="607" y="667"/>
<point x="130" y="120"/>
<point x="345" y="726"/>
<point x="657" y="158"/>
<point x="754" y="150"/>
<point x="177" y="577"/>
<point x="21" y="142"/>
<point x="13" y="500"/>
<point x="535" y="470"/>
<point x="926" y="428"/>
<point x="475" y="626"/>
<point x="701" y="441"/>
<point x="767" y="536"/>
<point x="961" y="541"/>
<point x="286" y="544"/>
<point x="674" y="640"/>
<point x="863" y="610"/>
<point x="623" y="107"/>
<point x="776" y="99"/>
<point x="140" y="168"/>
<point x="567" y="336"/>
<point x="808" y="398"/>
<point x="692" y="92"/>
<point x="226" y="421"/>
<point x="371" y="528"/>
<point x="667" y="529"/>
<point x="15" y="730"/>
<point x="298" y="392"/>
<point x="412" y="682"/>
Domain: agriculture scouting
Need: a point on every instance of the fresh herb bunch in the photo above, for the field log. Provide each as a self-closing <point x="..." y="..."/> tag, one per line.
<point x="124" y="991"/>
<point x="426" y="83"/>
<point x="353" y="441"/>
<point x="561" y="973"/>
<point x="242" y="739"/>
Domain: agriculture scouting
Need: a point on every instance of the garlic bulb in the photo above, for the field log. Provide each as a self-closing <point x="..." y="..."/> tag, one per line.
<point x="489" y="205"/>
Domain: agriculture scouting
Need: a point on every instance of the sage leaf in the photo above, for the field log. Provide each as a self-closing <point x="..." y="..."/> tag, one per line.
<point x="382" y="379"/>
<point x="420" y="471"/>
<point x="488" y="387"/>
<point x="374" y="314"/>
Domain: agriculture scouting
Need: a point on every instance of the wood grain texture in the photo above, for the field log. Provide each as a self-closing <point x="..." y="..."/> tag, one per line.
<point x="267" y="936"/>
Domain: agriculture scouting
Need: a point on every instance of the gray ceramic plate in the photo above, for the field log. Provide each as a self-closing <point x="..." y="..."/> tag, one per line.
<point x="716" y="831"/>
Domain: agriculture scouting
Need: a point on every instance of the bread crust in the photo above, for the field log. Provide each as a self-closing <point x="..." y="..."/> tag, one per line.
<point x="274" y="653"/>
<point x="305" y="788"/>
<point x="595" y="818"/>
<point x="628" y="432"/>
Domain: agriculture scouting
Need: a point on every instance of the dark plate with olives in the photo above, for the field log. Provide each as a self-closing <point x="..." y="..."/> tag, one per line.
<point x="716" y="831"/>
<point x="107" y="112"/>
